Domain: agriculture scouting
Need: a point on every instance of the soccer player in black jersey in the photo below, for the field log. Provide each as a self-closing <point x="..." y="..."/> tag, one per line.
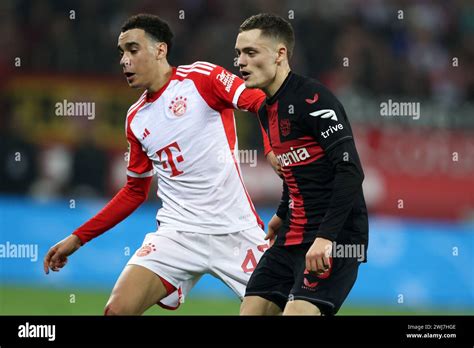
<point x="319" y="234"/>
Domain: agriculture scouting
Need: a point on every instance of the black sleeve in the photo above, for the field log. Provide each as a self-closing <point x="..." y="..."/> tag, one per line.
<point x="347" y="184"/>
<point x="282" y="210"/>
<point x="326" y="120"/>
<point x="328" y="123"/>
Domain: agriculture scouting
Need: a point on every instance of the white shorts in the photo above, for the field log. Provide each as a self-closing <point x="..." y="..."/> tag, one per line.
<point x="181" y="258"/>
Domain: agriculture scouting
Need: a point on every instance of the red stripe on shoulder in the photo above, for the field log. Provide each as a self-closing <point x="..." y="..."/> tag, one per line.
<point x="133" y="112"/>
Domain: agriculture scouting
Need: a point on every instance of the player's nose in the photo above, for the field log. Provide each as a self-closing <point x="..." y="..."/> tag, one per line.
<point x="241" y="62"/>
<point x="125" y="61"/>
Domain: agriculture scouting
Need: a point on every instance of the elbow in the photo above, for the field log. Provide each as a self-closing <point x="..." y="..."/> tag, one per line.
<point x="139" y="194"/>
<point x="358" y="176"/>
<point x="350" y="172"/>
<point x="138" y="188"/>
<point x="361" y="176"/>
<point x="144" y="197"/>
<point x="136" y="195"/>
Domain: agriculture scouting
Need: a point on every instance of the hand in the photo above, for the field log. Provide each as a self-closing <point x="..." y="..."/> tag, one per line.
<point x="273" y="227"/>
<point x="317" y="257"/>
<point x="56" y="257"/>
<point x="271" y="158"/>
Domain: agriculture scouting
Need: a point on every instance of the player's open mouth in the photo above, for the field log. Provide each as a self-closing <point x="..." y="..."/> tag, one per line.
<point x="245" y="75"/>
<point x="129" y="75"/>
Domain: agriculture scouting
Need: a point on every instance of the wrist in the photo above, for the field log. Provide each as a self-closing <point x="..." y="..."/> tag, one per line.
<point x="322" y="240"/>
<point x="77" y="240"/>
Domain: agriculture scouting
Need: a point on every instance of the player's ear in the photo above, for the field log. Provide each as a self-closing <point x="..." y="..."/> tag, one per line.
<point x="161" y="50"/>
<point x="282" y="53"/>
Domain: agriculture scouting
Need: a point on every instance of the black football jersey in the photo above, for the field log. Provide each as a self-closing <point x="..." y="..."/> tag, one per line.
<point x="322" y="192"/>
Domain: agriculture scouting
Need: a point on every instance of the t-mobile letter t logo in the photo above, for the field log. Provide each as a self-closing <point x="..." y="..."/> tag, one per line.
<point x="169" y="158"/>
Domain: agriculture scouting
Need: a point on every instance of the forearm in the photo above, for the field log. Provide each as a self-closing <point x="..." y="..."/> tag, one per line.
<point x="124" y="203"/>
<point x="347" y="184"/>
<point x="273" y="161"/>
<point x="282" y="210"/>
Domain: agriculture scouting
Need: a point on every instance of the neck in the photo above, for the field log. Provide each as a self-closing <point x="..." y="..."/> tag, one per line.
<point x="282" y="73"/>
<point x="161" y="77"/>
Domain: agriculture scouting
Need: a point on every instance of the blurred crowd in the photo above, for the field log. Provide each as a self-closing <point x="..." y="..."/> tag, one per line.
<point x="394" y="47"/>
<point x="417" y="50"/>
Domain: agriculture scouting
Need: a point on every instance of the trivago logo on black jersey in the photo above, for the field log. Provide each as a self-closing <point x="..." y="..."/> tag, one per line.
<point x="293" y="156"/>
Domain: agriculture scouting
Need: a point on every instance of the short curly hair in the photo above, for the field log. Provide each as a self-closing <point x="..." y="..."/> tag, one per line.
<point x="273" y="26"/>
<point x="153" y="25"/>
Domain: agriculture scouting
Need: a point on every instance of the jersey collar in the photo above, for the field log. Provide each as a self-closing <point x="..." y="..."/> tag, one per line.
<point x="151" y="97"/>
<point x="280" y="90"/>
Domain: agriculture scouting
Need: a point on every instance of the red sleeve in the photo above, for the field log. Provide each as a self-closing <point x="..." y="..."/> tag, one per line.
<point x="251" y="99"/>
<point x="139" y="164"/>
<point x="228" y="91"/>
<point x="129" y="198"/>
<point x="224" y="90"/>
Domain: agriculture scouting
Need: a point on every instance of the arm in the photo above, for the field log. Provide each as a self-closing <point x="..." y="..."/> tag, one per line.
<point x="122" y="205"/>
<point x="329" y="125"/>
<point x="283" y="207"/>
<point x="129" y="198"/>
<point x="277" y="220"/>
<point x="272" y="159"/>
<point x="227" y="91"/>
<point x="347" y="183"/>
<point x="134" y="193"/>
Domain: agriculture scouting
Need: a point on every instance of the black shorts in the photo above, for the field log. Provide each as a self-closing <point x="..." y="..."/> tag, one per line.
<point x="281" y="276"/>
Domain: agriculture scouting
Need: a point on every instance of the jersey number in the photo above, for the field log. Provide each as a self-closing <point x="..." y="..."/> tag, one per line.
<point x="250" y="262"/>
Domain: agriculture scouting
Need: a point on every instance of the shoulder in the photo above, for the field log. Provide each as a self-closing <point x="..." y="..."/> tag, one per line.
<point x="205" y="73"/>
<point x="312" y="93"/>
<point x="308" y="84"/>
<point x="133" y="109"/>
<point x="202" y="74"/>
<point x="197" y="69"/>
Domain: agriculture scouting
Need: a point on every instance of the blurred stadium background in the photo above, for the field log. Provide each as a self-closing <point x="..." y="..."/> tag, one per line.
<point x="56" y="172"/>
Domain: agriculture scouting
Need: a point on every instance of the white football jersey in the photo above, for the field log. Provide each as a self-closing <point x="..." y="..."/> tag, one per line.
<point x="185" y="133"/>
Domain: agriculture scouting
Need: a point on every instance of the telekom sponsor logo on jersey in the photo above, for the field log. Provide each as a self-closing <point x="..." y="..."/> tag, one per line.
<point x="293" y="156"/>
<point x="169" y="158"/>
<point x="227" y="79"/>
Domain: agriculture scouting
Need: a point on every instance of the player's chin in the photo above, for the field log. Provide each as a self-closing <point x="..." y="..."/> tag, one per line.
<point x="250" y="84"/>
<point x="133" y="84"/>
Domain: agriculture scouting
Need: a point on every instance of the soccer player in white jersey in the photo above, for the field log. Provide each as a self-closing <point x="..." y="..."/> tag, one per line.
<point x="178" y="129"/>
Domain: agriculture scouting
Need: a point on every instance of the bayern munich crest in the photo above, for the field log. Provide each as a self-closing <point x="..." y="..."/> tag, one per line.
<point x="146" y="249"/>
<point x="178" y="106"/>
